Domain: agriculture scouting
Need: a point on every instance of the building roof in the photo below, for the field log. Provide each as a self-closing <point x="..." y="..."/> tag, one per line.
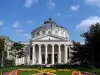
<point x="48" y="24"/>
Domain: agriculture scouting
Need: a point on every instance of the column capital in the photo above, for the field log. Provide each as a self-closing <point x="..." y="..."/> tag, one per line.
<point x="46" y="44"/>
<point x="33" y="44"/>
<point x="52" y="44"/>
<point x="39" y="44"/>
<point x="65" y="45"/>
<point x="59" y="44"/>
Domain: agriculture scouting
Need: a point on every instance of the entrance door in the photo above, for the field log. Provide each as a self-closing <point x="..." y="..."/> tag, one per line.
<point x="49" y="59"/>
<point x="43" y="58"/>
<point x="56" y="58"/>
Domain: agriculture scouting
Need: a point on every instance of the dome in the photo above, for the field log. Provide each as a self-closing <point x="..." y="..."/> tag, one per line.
<point x="50" y="27"/>
<point x="47" y="25"/>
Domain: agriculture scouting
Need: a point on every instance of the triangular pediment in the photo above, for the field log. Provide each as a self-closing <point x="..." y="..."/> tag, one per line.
<point x="49" y="37"/>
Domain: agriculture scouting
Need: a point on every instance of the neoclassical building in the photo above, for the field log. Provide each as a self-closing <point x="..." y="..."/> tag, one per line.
<point x="50" y="44"/>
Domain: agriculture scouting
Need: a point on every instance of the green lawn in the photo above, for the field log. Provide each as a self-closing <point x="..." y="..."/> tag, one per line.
<point x="8" y="69"/>
<point x="57" y="73"/>
<point x="96" y="71"/>
<point x="27" y="73"/>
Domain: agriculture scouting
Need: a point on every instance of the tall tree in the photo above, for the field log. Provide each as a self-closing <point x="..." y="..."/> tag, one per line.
<point x="17" y="50"/>
<point x="90" y="51"/>
<point x="2" y="48"/>
<point x="79" y="53"/>
<point x="92" y="40"/>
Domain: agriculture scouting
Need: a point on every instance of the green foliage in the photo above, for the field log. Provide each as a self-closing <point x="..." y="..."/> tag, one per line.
<point x="90" y="51"/>
<point x="1" y="45"/>
<point x="9" y="63"/>
<point x="17" y="50"/>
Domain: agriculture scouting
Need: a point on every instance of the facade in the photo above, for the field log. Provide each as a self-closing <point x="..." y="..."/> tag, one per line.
<point x="50" y="44"/>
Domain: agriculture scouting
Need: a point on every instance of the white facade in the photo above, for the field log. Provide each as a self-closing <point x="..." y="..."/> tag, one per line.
<point x="49" y="45"/>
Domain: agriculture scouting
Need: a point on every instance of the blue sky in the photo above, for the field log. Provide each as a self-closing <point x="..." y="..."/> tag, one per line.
<point x="19" y="17"/>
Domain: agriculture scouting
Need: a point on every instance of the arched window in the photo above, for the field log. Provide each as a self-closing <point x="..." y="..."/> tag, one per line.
<point x="66" y="34"/>
<point x="43" y="32"/>
<point x="38" y="34"/>
<point x="49" y="32"/>
<point x="56" y="32"/>
<point x="62" y="33"/>
<point x="33" y="35"/>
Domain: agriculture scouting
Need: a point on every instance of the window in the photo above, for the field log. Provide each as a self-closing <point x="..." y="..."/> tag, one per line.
<point x="43" y="32"/>
<point x="62" y="33"/>
<point x="49" y="38"/>
<point x="66" y="35"/>
<point x="33" y="35"/>
<point x="49" y="32"/>
<point x="37" y="33"/>
<point x="56" y="32"/>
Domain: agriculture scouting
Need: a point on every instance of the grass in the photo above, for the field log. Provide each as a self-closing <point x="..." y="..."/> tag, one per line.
<point x="96" y="71"/>
<point x="57" y="73"/>
<point x="8" y="69"/>
<point x="63" y="73"/>
<point x="27" y="73"/>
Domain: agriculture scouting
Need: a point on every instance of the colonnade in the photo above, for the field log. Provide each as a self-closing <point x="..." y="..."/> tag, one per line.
<point x="46" y="54"/>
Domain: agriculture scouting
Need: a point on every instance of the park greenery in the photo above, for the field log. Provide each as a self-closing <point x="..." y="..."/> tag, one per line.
<point x="89" y="52"/>
<point x="86" y="55"/>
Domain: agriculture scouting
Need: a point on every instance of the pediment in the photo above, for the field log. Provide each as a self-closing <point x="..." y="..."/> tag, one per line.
<point x="49" y="37"/>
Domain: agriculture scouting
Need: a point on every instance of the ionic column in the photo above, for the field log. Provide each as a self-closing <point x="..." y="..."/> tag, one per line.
<point x="59" y="54"/>
<point x="66" y="54"/>
<point x="46" y="53"/>
<point x="33" y="54"/>
<point x="28" y="56"/>
<point x="52" y="54"/>
<point x="39" y="57"/>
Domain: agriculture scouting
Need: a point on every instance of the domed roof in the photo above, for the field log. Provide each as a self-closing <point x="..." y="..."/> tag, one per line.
<point x="48" y="24"/>
<point x="49" y="21"/>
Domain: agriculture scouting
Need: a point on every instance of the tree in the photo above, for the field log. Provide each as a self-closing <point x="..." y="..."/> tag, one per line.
<point x="6" y="40"/>
<point x="92" y="40"/>
<point x="90" y="51"/>
<point x="79" y="53"/>
<point x="17" y="50"/>
<point x="1" y="46"/>
<point x="1" y="51"/>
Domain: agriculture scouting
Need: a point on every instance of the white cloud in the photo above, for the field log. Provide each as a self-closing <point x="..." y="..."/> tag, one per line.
<point x="88" y="22"/>
<point x="93" y="2"/>
<point x="27" y="35"/>
<point x="29" y="3"/>
<point x="51" y="4"/>
<point x="75" y="7"/>
<point x="1" y="23"/>
<point x="58" y="14"/>
<point x="16" y="24"/>
<point x="19" y="30"/>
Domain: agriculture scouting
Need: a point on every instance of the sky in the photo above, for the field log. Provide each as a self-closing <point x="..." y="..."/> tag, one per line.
<point x="19" y="17"/>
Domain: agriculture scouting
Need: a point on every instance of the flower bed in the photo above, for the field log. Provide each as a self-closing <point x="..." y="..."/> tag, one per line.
<point x="47" y="71"/>
<point x="14" y="72"/>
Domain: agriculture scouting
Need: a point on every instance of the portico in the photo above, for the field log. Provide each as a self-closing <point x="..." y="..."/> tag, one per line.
<point x="49" y="53"/>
